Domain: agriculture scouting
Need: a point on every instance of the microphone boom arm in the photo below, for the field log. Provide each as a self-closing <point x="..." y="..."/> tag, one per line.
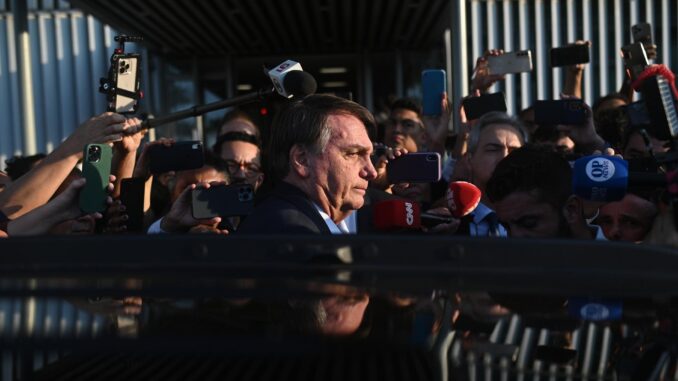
<point x="203" y="109"/>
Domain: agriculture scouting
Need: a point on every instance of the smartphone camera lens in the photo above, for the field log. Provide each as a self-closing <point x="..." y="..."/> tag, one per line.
<point x="123" y="67"/>
<point x="94" y="154"/>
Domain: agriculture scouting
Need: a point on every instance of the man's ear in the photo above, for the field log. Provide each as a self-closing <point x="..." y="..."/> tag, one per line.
<point x="573" y="210"/>
<point x="299" y="161"/>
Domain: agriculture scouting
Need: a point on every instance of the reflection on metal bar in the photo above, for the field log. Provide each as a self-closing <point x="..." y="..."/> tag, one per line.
<point x="605" y="348"/>
<point x="589" y="351"/>
<point x="538" y="364"/>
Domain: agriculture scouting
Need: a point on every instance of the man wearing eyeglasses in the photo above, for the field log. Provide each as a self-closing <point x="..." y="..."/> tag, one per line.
<point x="241" y="154"/>
<point x="404" y="128"/>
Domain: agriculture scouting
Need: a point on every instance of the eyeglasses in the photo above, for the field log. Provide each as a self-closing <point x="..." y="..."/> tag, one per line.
<point x="408" y="125"/>
<point x="249" y="169"/>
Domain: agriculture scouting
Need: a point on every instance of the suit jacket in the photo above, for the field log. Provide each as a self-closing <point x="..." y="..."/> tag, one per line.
<point x="287" y="210"/>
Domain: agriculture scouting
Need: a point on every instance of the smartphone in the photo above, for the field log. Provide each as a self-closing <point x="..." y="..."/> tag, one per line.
<point x="132" y="195"/>
<point x="570" y="112"/>
<point x="222" y="201"/>
<point x="637" y="114"/>
<point x="635" y="58"/>
<point x="418" y="167"/>
<point x="124" y="76"/>
<point x="96" y="169"/>
<point x="512" y="62"/>
<point x="433" y="85"/>
<point x="475" y="107"/>
<point x="180" y="156"/>
<point x="570" y="55"/>
<point x="642" y="33"/>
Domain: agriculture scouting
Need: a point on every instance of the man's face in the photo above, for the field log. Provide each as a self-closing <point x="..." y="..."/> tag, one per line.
<point x="201" y="175"/>
<point x="404" y="130"/>
<point x="243" y="162"/>
<point x="627" y="220"/>
<point x="495" y="143"/>
<point x="525" y="216"/>
<point x="635" y="148"/>
<point x="340" y="174"/>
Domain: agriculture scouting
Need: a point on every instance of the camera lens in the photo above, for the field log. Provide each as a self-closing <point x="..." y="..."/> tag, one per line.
<point x="94" y="153"/>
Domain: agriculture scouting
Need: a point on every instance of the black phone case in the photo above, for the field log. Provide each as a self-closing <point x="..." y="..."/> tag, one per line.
<point x="180" y="156"/>
<point x="562" y="111"/>
<point x="418" y="167"/>
<point x="570" y="55"/>
<point x="475" y="107"/>
<point x="222" y="201"/>
<point x="132" y="196"/>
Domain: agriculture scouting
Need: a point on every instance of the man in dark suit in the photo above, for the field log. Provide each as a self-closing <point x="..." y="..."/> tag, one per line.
<point x="320" y="154"/>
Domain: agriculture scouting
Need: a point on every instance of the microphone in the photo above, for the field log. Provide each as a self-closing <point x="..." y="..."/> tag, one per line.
<point x="462" y="198"/>
<point x="607" y="178"/>
<point x="397" y="214"/>
<point x="290" y="80"/>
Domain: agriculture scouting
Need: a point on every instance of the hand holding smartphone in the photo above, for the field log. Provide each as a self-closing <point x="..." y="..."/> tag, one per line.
<point x="418" y="167"/>
<point x="568" y="112"/>
<point x="510" y="63"/>
<point x="475" y="107"/>
<point x="433" y="84"/>
<point x="96" y="169"/>
<point x="179" y="156"/>
<point x="222" y="200"/>
<point x="570" y="55"/>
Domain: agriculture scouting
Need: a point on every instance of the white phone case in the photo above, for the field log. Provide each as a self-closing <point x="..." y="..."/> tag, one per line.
<point x="511" y="62"/>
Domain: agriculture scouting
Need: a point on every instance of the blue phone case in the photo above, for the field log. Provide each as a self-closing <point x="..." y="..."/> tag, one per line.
<point x="433" y="84"/>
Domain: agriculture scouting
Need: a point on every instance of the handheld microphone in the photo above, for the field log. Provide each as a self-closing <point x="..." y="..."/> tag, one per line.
<point x="396" y="214"/>
<point x="462" y="198"/>
<point x="290" y="80"/>
<point x="607" y="178"/>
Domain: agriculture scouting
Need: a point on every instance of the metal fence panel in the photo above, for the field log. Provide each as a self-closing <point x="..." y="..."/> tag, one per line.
<point x="542" y="24"/>
<point x="69" y="53"/>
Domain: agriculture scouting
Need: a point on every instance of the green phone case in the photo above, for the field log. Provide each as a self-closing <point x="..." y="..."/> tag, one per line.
<point x="96" y="169"/>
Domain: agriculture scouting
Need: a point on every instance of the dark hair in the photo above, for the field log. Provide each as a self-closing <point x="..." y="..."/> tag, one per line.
<point x="239" y="114"/>
<point x="234" y="136"/>
<point x="407" y="104"/>
<point x="18" y="166"/>
<point x="535" y="169"/>
<point x="305" y="123"/>
<point x="599" y="102"/>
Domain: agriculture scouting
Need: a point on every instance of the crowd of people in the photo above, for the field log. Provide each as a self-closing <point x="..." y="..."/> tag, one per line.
<point x="321" y="174"/>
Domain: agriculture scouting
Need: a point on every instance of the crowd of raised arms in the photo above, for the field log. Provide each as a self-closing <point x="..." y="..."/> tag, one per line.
<point x="329" y="166"/>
